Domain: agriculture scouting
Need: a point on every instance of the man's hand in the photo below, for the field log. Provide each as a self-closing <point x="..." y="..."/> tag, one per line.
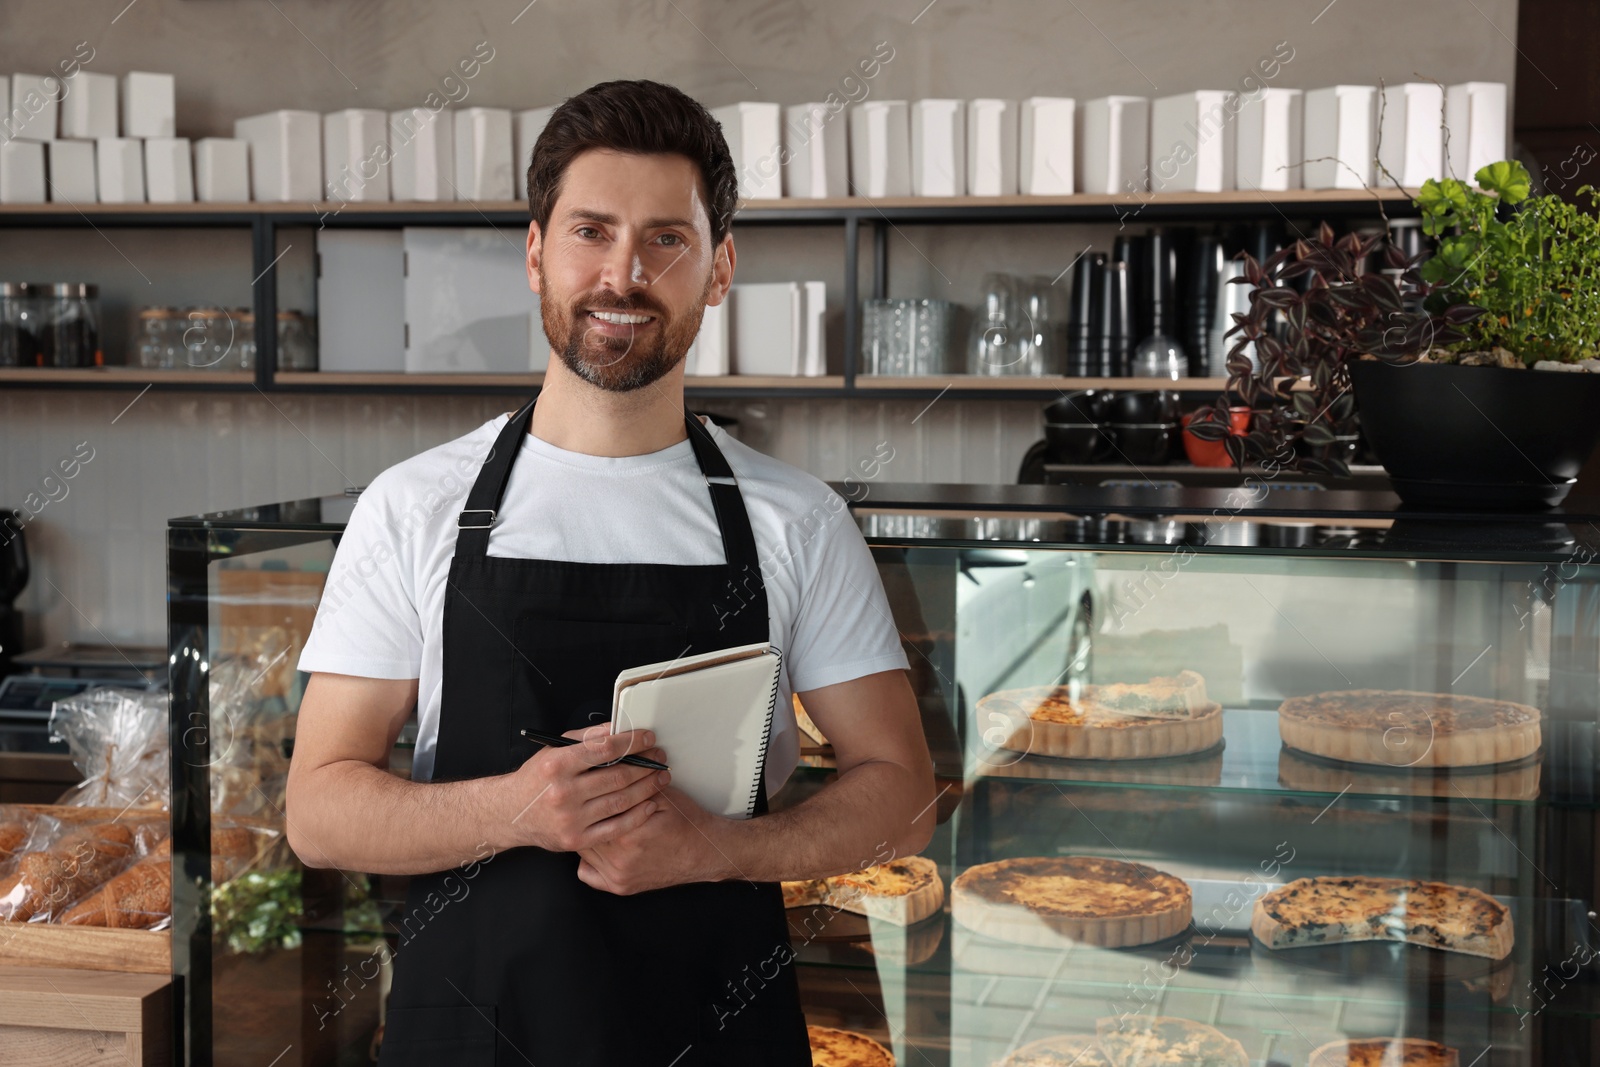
<point x="566" y="799"/>
<point x="677" y="844"/>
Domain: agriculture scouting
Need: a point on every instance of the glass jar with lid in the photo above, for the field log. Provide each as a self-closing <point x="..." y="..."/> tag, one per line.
<point x="71" y="328"/>
<point x="20" y="312"/>
<point x="207" y="339"/>
<point x="156" y="338"/>
<point x="244" y="338"/>
<point x="297" y="348"/>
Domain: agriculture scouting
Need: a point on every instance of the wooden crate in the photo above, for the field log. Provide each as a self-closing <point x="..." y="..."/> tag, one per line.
<point x="51" y="1017"/>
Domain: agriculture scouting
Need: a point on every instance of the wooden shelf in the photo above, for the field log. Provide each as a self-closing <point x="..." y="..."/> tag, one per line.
<point x="123" y="377"/>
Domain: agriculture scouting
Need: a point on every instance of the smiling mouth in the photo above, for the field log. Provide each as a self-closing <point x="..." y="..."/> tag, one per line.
<point x="621" y="318"/>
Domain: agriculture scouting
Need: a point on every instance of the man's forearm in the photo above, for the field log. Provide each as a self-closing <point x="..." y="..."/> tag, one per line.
<point x="358" y="817"/>
<point x="868" y="815"/>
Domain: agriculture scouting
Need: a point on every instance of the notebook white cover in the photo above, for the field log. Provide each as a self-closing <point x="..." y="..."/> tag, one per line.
<point x="712" y="716"/>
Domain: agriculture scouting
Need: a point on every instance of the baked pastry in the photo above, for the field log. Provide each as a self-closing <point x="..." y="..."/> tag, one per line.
<point x="845" y="1048"/>
<point x="1385" y="1052"/>
<point x="1164" y="717"/>
<point x="13" y="835"/>
<point x="1097" y="901"/>
<point x="46" y="882"/>
<point x="1323" y="911"/>
<point x="1162" y="1040"/>
<point x="1063" y="1050"/>
<point x="902" y="891"/>
<point x="808" y="729"/>
<point x="1400" y="728"/>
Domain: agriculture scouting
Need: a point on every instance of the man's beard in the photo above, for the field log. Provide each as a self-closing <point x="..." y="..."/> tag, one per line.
<point x="618" y="364"/>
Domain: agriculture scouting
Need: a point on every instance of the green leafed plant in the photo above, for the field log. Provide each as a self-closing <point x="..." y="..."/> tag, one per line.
<point x="1531" y="262"/>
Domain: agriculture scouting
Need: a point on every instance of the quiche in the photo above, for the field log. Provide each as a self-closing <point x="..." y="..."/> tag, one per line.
<point x="1164" y="1041"/>
<point x="903" y="891"/>
<point x="1105" y="902"/>
<point x="1063" y="1050"/>
<point x="1401" y="728"/>
<point x="845" y="1048"/>
<point x="1321" y="911"/>
<point x="1519" y="781"/>
<point x="1163" y="717"/>
<point x="1385" y="1052"/>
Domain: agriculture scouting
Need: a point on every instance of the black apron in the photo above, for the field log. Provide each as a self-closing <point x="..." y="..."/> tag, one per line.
<point x="514" y="960"/>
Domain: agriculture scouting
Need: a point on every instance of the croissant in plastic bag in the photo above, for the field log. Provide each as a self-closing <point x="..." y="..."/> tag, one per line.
<point x="140" y="898"/>
<point x="118" y="740"/>
<point x="46" y="882"/>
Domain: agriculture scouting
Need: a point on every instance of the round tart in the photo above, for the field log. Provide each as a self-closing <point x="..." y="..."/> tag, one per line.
<point x="1088" y="899"/>
<point x="1167" y="717"/>
<point x="1400" y="728"/>
<point x="903" y="891"/>
<point x="1325" y="911"/>
<point x="845" y="1048"/>
<point x="1514" y="782"/>
<point x="1063" y="1050"/>
<point x="1385" y="1052"/>
<point x="1162" y="1039"/>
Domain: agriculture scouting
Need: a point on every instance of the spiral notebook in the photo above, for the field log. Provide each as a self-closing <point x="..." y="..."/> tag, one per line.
<point x="712" y="716"/>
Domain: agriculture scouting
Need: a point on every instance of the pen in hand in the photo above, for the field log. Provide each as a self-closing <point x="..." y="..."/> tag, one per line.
<point x="557" y="741"/>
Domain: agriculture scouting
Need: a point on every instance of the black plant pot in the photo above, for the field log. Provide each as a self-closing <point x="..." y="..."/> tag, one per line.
<point x="1483" y="437"/>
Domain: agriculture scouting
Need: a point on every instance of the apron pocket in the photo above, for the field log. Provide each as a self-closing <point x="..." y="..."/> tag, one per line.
<point x="461" y="1034"/>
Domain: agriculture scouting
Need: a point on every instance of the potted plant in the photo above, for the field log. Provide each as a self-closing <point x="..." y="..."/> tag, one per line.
<point x="1456" y="370"/>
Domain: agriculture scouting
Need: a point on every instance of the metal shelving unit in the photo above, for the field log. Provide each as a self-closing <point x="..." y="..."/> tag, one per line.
<point x="852" y="214"/>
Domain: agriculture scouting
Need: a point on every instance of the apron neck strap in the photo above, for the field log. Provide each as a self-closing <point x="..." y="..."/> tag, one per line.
<point x="483" y="502"/>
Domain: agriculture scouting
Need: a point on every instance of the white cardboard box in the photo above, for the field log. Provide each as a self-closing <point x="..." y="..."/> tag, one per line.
<point x="1271" y="140"/>
<point x="1192" y="141"/>
<point x="89" y="110"/>
<point x="1410" y="141"/>
<point x="483" y="154"/>
<point x="755" y="138"/>
<point x="813" y="329"/>
<point x="468" y="308"/>
<point x="708" y="355"/>
<point x="149" y="105"/>
<point x="880" y="148"/>
<point x="222" y="170"/>
<point x="1341" y="129"/>
<point x="766" y="328"/>
<point x="285" y="154"/>
<point x="1114" y="151"/>
<point x="818" y="149"/>
<point x="35" y="102"/>
<point x="72" y="171"/>
<point x="1046" y="130"/>
<point x="526" y="126"/>
<point x="938" y="148"/>
<point x="355" y="154"/>
<point x="1475" y="112"/>
<point x="992" y="147"/>
<point x="361" y="300"/>
<point x="422" y="154"/>
<point x="21" y="172"/>
<point x="168" y="170"/>
<point x="119" y="169"/>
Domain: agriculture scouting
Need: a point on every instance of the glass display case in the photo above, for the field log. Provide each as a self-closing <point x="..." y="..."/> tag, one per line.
<point x="1280" y="770"/>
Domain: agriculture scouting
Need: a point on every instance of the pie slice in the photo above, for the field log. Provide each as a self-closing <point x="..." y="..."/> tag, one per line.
<point x="1164" y="1041"/>
<point x="902" y="891"/>
<point x="808" y="729"/>
<point x="845" y="1048"/>
<point x="1402" y="728"/>
<point x="1165" y="717"/>
<point x="1385" y="1052"/>
<point x="1324" y="911"/>
<point x="1063" y="1050"/>
<point x="1051" y="899"/>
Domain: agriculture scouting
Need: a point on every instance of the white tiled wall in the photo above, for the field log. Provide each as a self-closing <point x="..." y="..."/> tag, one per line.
<point x="99" y="569"/>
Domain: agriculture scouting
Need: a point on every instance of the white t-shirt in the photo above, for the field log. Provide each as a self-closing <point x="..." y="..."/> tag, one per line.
<point x="382" y="610"/>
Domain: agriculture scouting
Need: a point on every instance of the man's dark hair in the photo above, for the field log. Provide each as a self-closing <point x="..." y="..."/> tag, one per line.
<point x="642" y="117"/>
